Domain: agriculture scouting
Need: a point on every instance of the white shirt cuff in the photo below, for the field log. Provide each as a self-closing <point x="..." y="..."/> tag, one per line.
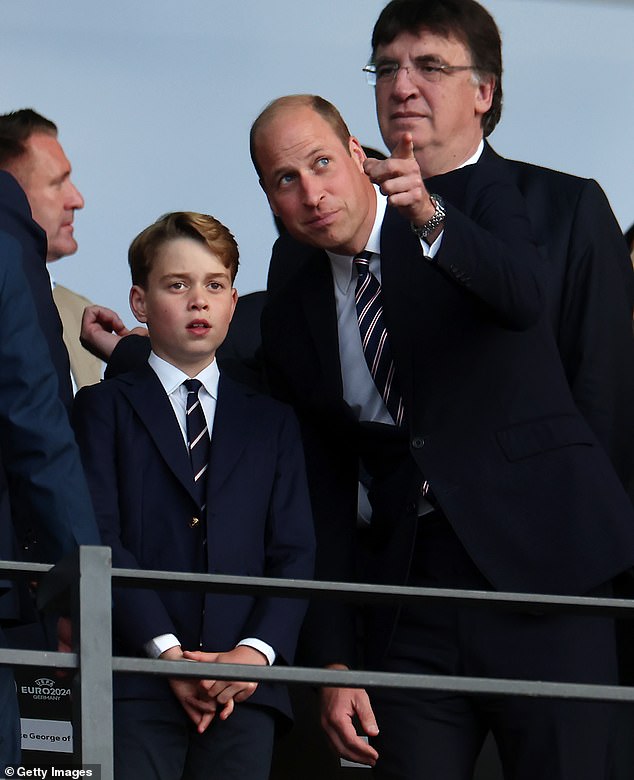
<point x="160" y="644"/>
<point x="431" y="251"/>
<point x="257" y="644"/>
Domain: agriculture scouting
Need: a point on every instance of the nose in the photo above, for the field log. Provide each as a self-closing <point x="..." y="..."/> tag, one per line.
<point x="312" y="190"/>
<point x="197" y="298"/>
<point x="403" y="85"/>
<point x="74" y="198"/>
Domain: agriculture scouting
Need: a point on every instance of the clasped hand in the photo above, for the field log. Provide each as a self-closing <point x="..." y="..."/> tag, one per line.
<point x="203" y="699"/>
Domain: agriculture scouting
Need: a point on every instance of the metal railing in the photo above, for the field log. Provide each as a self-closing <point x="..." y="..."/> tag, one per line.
<point x="83" y="583"/>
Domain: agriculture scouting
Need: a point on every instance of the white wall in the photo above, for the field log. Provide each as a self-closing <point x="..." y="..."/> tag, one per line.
<point x="154" y="100"/>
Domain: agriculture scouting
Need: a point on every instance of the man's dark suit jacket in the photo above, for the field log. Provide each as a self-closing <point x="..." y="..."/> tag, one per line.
<point x="590" y="297"/>
<point x="39" y="457"/>
<point x="15" y="219"/>
<point x="491" y="422"/>
<point x="259" y="521"/>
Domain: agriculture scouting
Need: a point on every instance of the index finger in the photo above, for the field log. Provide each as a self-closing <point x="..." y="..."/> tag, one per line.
<point x="404" y="149"/>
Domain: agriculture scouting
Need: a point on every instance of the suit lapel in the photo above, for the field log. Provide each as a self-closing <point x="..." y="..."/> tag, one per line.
<point x="318" y="304"/>
<point x="399" y="249"/>
<point x="232" y="430"/>
<point x="151" y="404"/>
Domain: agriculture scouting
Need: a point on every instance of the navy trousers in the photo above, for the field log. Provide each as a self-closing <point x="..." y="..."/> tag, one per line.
<point x="438" y="735"/>
<point x="155" y="740"/>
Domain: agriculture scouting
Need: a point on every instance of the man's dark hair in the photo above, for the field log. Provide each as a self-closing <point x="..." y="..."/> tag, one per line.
<point x="16" y="128"/>
<point x="465" y="20"/>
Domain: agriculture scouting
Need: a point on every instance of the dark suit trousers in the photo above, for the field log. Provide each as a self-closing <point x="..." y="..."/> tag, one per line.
<point x="156" y="740"/>
<point x="438" y="735"/>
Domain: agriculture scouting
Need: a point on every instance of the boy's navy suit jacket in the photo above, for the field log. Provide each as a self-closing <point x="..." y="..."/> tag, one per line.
<point x="258" y="518"/>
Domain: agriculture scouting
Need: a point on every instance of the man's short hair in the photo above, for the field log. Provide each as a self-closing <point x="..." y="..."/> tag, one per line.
<point x="202" y="228"/>
<point x="319" y="105"/>
<point x="465" y="20"/>
<point x="16" y="128"/>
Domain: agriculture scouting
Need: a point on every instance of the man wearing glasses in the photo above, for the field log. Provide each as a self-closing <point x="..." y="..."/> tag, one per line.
<point x="433" y="63"/>
<point x="424" y="54"/>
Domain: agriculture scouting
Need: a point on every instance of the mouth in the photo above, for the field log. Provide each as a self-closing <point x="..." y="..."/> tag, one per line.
<point x="199" y="327"/>
<point x="407" y="115"/>
<point x="322" y="220"/>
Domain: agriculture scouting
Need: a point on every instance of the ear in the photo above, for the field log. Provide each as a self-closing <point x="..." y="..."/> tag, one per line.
<point x="356" y="152"/>
<point x="137" y="303"/>
<point x="234" y="300"/>
<point x="484" y="94"/>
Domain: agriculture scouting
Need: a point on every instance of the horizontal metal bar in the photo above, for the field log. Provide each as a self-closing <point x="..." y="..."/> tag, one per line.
<point x="354" y="679"/>
<point x="328" y="677"/>
<point x="369" y="592"/>
<point x="19" y="568"/>
<point x="352" y="592"/>
<point x="13" y="657"/>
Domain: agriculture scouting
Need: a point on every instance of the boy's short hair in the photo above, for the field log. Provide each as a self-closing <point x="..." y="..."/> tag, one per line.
<point x="203" y="228"/>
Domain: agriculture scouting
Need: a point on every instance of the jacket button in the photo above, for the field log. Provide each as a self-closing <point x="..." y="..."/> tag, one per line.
<point x="418" y="442"/>
<point x="194" y="522"/>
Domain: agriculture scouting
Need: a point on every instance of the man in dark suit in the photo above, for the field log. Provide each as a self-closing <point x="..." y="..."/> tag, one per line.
<point x="522" y="498"/>
<point x="15" y="219"/>
<point x="40" y="465"/>
<point x="590" y="286"/>
<point x="253" y="516"/>
<point x="30" y="151"/>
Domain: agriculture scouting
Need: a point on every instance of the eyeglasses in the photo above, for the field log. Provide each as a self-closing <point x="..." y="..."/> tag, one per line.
<point x="421" y="69"/>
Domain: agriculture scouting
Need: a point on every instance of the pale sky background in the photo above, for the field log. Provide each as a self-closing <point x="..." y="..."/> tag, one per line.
<point x="154" y="100"/>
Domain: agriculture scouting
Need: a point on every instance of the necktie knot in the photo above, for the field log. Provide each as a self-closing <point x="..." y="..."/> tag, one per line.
<point x="193" y="385"/>
<point x="362" y="262"/>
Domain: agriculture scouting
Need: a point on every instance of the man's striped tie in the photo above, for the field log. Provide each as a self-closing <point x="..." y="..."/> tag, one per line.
<point x="197" y="439"/>
<point x="374" y="337"/>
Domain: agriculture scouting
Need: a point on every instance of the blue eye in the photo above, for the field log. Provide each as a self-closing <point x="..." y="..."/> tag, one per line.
<point x="322" y="162"/>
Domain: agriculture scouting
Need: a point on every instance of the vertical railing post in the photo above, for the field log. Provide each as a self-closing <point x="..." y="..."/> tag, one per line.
<point x="92" y="623"/>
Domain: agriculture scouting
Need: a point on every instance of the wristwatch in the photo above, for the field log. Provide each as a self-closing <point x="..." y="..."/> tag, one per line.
<point x="427" y="228"/>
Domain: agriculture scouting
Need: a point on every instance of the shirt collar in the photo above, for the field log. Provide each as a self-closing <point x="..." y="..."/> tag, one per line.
<point x="342" y="267"/>
<point x="474" y="157"/>
<point x="172" y="378"/>
<point x="51" y="277"/>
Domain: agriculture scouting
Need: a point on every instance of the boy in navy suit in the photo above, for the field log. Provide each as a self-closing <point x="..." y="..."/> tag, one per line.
<point x="221" y="492"/>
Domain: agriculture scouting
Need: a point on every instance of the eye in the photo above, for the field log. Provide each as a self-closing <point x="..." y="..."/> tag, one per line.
<point x="215" y="285"/>
<point x="427" y="69"/>
<point x="386" y="70"/>
<point x="177" y="286"/>
<point x="322" y="162"/>
<point x="286" y="179"/>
